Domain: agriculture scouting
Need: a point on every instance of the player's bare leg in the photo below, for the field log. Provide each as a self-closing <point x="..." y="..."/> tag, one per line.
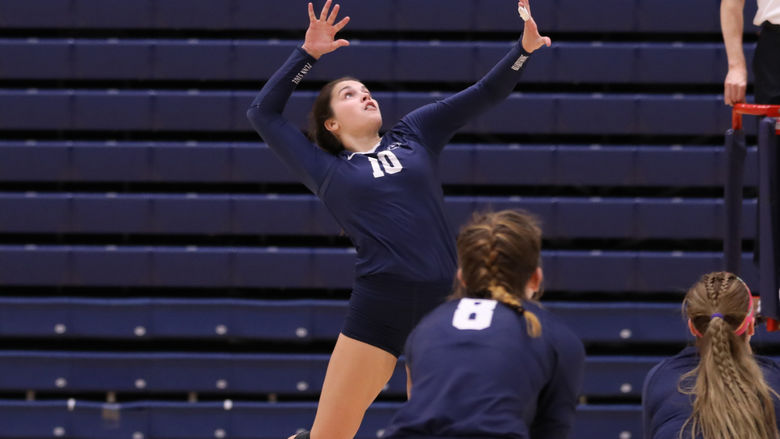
<point x="356" y="374"/>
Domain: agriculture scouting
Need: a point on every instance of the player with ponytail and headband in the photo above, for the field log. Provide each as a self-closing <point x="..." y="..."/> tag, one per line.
<point x="492" y="362"/>
<point x="717" y="389"/>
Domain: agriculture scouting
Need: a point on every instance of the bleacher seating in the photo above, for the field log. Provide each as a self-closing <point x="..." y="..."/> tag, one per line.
<point x="294" y="320"/>
<point x="695" y="16"/>
<point x="253" y="60"/>
<point x="224" y="111"/>
<point x="461" y="164"/>
<point x="298" y="215"/>
<point x="163" y="275"/>
<point x="236" y="374"/>
<point x="262" y="420"/>
<point x="286" y="321"/>
<point x="299" y="267"/>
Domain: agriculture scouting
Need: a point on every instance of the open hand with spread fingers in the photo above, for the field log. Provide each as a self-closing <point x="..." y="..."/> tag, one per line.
<point x="321" y="34"/>
<point x="532" y="40"/>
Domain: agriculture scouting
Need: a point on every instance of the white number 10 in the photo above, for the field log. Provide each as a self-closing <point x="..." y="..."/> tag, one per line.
<point x="389" y="162"/>
<point x="474" y="314"/>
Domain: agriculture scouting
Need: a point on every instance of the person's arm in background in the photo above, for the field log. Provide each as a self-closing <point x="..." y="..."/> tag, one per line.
<point x="731" y="25"/>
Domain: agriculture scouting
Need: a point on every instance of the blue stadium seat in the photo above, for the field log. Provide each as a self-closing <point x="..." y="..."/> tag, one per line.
<point x="26" y="419"/>
<point x="103" y="59"/>
<point x="184" y="162"/>
<point x="303" y="213"/>
<point x="190" y="214"/>
<point x="36" y="59"/>
<point x="203" y="60"/>
<point x="392" y="15"/>
<point x="617" y="420"/>
<point x="34" y="109"/>
<point x="110" y="110"/>
<point x="106" y="266"/>
<point x="105" y="161"/>
<point x="100" y="213"/>
<point x="194" y="110"/>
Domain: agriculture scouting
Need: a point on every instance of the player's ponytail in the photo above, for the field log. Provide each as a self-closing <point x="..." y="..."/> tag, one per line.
<point x="497" y="292"/>
<point x="498" y="254"/>
<point x="731" y="397"/>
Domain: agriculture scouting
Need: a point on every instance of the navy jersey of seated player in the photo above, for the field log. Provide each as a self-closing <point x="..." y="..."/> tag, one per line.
<point x="666" y="409"/>
<point x="476" y="372"/>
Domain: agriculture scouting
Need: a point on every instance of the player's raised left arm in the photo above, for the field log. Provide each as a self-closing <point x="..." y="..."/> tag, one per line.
<point x="436" y="123"/>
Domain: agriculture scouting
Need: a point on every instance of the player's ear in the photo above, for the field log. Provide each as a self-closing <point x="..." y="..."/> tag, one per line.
<point x="692" y="328"/>
<point x="331" y="125"/>
<point x="459" y="275"/>
<point x="536" y="279"/>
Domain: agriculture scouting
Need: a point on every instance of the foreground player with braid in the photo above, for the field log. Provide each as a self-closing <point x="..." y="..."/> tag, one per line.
<point x="492" y="362"/>
<point x="717" y="389"/>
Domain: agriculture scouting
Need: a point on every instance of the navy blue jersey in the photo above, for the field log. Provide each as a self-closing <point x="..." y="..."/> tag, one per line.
<point x="477" y="373"/>
<point x="665" y="409"/>
<point x="389" y="201"/>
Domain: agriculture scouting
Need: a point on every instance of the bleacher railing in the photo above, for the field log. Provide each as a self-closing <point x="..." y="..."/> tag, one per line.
<point x="768" y="212"/>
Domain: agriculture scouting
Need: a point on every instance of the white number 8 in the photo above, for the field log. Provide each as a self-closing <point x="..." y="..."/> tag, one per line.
<point x="474" y="314"/>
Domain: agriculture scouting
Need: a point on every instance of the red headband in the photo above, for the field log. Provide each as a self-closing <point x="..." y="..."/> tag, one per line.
<point x="742" y="326"/>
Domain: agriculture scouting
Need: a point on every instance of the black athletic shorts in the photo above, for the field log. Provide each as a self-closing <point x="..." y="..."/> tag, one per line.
<point x="384" y="309"/>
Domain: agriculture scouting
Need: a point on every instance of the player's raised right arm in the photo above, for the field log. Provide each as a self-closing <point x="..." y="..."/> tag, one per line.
<point x="306" y="160"/>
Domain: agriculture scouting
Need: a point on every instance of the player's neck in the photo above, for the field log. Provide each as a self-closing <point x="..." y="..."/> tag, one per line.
<point x="361" y="143"/>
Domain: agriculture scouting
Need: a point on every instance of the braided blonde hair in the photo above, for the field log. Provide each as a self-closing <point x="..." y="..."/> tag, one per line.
<point x="731" y="397"/>
<point x="498" y="252"/>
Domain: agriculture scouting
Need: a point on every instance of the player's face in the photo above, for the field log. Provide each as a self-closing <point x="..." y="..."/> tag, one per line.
<point x="353" y="108"/>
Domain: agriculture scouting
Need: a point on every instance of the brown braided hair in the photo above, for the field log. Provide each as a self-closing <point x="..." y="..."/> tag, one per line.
<point x="498" y="252"/>
<point x="731" y="397"/>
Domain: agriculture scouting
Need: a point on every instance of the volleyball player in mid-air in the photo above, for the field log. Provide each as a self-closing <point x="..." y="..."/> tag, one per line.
<point x="492" y="362"/>
<point x="385" y="193"/>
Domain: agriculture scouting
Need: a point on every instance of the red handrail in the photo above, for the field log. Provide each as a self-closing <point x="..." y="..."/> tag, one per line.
<point x="752" y="109"/>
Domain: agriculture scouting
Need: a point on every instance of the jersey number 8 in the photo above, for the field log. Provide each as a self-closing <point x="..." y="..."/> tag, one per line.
<point x="388" y="161"/>
<point x="475" y="314"/>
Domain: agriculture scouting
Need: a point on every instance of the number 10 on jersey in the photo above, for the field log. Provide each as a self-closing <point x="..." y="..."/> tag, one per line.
<point x="386" y="162"/>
